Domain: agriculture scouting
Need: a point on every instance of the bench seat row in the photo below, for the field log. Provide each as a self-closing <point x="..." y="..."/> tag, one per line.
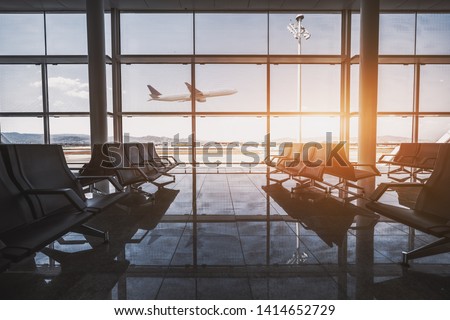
<point x="41" y="200"/>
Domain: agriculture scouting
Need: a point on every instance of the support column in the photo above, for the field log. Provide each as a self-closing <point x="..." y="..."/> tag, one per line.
<point x="97" y="70"/>
<point x="368" y="81"/>
<point x="367" y="141"/>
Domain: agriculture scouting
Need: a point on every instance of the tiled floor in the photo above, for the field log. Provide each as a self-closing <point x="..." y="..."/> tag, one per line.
<point x="234" y="239"/>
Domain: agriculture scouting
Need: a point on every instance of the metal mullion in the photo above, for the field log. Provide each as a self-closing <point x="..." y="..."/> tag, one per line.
<point x="345" y="78"/>
<point x="416" y="108"/>
<point x="116" y="76"/>
<point x="268" y="129"/>
<point x="45" y="103"/>
<point x="193" y="106"/>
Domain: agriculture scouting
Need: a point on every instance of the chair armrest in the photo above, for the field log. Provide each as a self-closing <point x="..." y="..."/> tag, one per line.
<point x="371" y="166"/>
<point x="70" y="195"/>
<point x="385" y="155"/>
<point x="113" y="181"/>
<point x="170" y="157"/>
<point x="381" y="189"/>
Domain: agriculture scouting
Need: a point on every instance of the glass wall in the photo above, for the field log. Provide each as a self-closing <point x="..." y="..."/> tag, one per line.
<point x="248" y="75"/>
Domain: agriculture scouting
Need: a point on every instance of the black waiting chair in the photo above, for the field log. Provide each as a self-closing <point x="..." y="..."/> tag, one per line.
<point x="45" y="167"/>
<point x="32" y="218"/>
<point x="431" y="213"/>
<point x="163" y="163"/>
<point x="129" y="170"/>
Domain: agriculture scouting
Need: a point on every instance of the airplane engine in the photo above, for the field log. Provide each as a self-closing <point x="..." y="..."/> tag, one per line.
<point x="201" y="99"/>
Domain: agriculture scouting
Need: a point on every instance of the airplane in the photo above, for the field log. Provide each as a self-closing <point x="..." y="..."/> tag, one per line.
<point x="200" y="96"/>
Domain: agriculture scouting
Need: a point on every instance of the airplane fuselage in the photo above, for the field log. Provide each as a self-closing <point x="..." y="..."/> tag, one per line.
<point x="200" y="96"/>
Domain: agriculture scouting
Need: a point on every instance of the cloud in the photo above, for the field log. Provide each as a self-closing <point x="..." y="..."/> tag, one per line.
<point x="71" y="87"/>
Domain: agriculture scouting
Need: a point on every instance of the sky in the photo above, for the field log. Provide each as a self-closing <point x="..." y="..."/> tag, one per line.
<point x="21" y="85"/>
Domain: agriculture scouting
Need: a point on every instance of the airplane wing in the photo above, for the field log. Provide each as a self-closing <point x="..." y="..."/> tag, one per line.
<point x="199" y="96"/>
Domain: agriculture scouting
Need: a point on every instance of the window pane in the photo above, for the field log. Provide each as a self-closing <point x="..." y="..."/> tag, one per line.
<point x="354" y="134"/>
<point x="354" y="87"/>
<point x="284" y="87"/>
<point x="165" y="132"/>
<point x="156" y="33"/>
<point x="433" y="32"/>
<point x="20" y="88"/>
<point x="220" y="143"/>
<point x="109" y="89"/>
<point x="230" y="33"/>
<point x="316" y="128"/>
<point x="395" y="87"/>
<point x="108" y="34"/>
<point x="434" y="129"/>
<point x="22" y="34"/>
<point x="315" y="80"/>
<point x="166" y="79"/>
<point x="284" y="129"/>
<point x="435" y="88"/>
<point x="66" y="34"/>
<point x="397" y="32"/>
<point x="68" y="88"/>
<point x="320" y="86"/>
<point x="71" y="131"/>
<point x="355" y="34"/>
<point x="110" y="129"/>
<point x="325" y="30"/>
<point x="394" y="130"/>
<point x="232" y="87"/>
<point x="21" y="130"/>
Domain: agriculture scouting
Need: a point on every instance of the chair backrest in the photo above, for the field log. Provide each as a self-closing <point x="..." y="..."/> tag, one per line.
<point x="315" y="164"/>
<point x="152" y="152"/>
<point x="44" y="167"/>
<point x="15" y="207"/>
<point x="427" y="154"/>
<point x="119" y="160"/>
<point x="99" y="165"/>
<point x="286" y="149"/>
<point x="406" y="153"/>
<point x="434" y="198"/>
<point x="134" y="152"/>
<point x="342" y="169"/>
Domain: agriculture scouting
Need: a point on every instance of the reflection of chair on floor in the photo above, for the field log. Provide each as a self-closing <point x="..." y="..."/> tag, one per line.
<point x="4" y="263"/>
<point x="413" y="285"/>
<point x="431" y="213"/>
<point x="90" y="274"/>
<point x="329" y="219"/>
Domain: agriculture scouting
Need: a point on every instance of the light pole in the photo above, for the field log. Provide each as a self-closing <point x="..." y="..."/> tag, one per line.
<point x="299" y="32"/>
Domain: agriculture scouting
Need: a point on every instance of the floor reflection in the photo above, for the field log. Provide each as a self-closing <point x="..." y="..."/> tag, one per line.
<point x="233" y="236"/>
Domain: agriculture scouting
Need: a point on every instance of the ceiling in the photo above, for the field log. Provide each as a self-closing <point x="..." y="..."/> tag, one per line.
<point x="181" y="5"/>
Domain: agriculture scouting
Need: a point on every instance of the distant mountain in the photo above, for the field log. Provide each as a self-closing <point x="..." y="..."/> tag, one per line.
<point x="72" y="139"/>
<point x="84" y="139"/>
<point x="23" y="138"/>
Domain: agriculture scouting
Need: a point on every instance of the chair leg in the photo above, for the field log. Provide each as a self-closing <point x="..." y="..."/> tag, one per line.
<point x="439" y="246"/>
<point x="89" y="231"/>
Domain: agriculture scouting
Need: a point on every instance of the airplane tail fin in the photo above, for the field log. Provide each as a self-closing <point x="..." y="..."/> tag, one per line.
<point x="153" y="92"/>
